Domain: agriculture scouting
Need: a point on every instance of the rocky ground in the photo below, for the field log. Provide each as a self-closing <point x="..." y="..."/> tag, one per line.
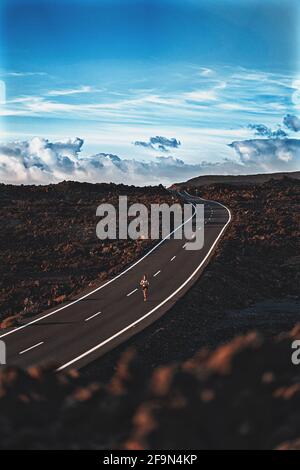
<point x="49" y="249"/>
<point x="170" y="391"/>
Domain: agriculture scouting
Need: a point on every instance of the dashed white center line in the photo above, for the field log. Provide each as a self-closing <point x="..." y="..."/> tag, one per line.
<point x="172" y="259"/>
<point x="130" y="293"/>
<point x="156" y="274"/>
<point x="93" y="316"/>
<point x="32" y="347"/>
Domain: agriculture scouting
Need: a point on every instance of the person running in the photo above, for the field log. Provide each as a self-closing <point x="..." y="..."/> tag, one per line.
<point x="145" y="286"/>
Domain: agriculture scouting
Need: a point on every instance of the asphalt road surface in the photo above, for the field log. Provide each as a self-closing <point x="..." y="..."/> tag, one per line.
<point x="80" y="331"/>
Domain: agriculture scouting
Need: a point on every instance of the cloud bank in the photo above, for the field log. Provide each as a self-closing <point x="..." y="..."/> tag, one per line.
<point x="269" y="155"/>
<point x="275" y="151"/>
<point x="39" y="161"/>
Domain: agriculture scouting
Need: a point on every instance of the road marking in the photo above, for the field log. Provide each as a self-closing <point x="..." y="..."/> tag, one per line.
<point x="156" y="274"/>
<point x="119" y="333"/>
<point x="172" y="259"/>
<point x="184" y="245"/>
<point x="101" y="287"/>
<point x="130" y="293"/>
<point x="32" y="347"/>
<point x="93" y="316"/>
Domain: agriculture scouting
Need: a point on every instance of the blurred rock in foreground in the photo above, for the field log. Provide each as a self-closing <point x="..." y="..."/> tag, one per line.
<point x="243" y="395"/>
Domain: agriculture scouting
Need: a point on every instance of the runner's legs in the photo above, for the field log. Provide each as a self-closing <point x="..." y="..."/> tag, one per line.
<point x="145" y="291"/>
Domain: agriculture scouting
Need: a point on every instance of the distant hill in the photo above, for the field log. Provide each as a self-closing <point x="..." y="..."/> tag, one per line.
<point x="237" y="180"/>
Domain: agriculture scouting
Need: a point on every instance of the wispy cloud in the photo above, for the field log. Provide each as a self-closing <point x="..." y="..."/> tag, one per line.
<point x="72" y="91"/>
<point x="206" y="72"/>
<point x="205" y="95"/>
<point x="195" y="99"/>
<point x="24" y="74"/>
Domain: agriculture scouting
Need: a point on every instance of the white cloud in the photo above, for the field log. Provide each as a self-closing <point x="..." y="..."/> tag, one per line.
<point x="292" y="122"/>
<point x="269" y="155"/>
<point x="159" y="143"/>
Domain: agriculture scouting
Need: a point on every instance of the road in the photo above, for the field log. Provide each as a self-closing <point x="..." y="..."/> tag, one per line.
<point x="80" y="331"/>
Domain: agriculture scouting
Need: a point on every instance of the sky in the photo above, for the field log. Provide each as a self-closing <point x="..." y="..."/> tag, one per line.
<point x="147" y="91"/>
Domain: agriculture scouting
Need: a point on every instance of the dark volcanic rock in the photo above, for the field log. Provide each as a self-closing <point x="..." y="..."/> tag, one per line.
<point x="49" y="249"/>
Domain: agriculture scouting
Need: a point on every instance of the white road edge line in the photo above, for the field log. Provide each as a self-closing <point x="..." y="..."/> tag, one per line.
<point x="101" y="287"/>
<point x="130" y="293"/>
<point x="172" y="259"/>
<point x="108" y="340"/>
<point x="93" y="316"/>
<point x="156" y="274"/>
<point x="32" y="347"/>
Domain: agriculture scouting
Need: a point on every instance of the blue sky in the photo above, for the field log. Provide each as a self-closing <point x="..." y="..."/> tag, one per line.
<point x="113" y="72"/>
<point x="65" y="33"/>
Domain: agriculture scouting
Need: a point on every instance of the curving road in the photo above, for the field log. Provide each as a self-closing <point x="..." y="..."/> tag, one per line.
<point x="82" y="330"/>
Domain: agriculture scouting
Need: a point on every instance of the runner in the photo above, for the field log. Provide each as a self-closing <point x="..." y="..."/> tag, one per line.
<point x="145" y="286"/>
